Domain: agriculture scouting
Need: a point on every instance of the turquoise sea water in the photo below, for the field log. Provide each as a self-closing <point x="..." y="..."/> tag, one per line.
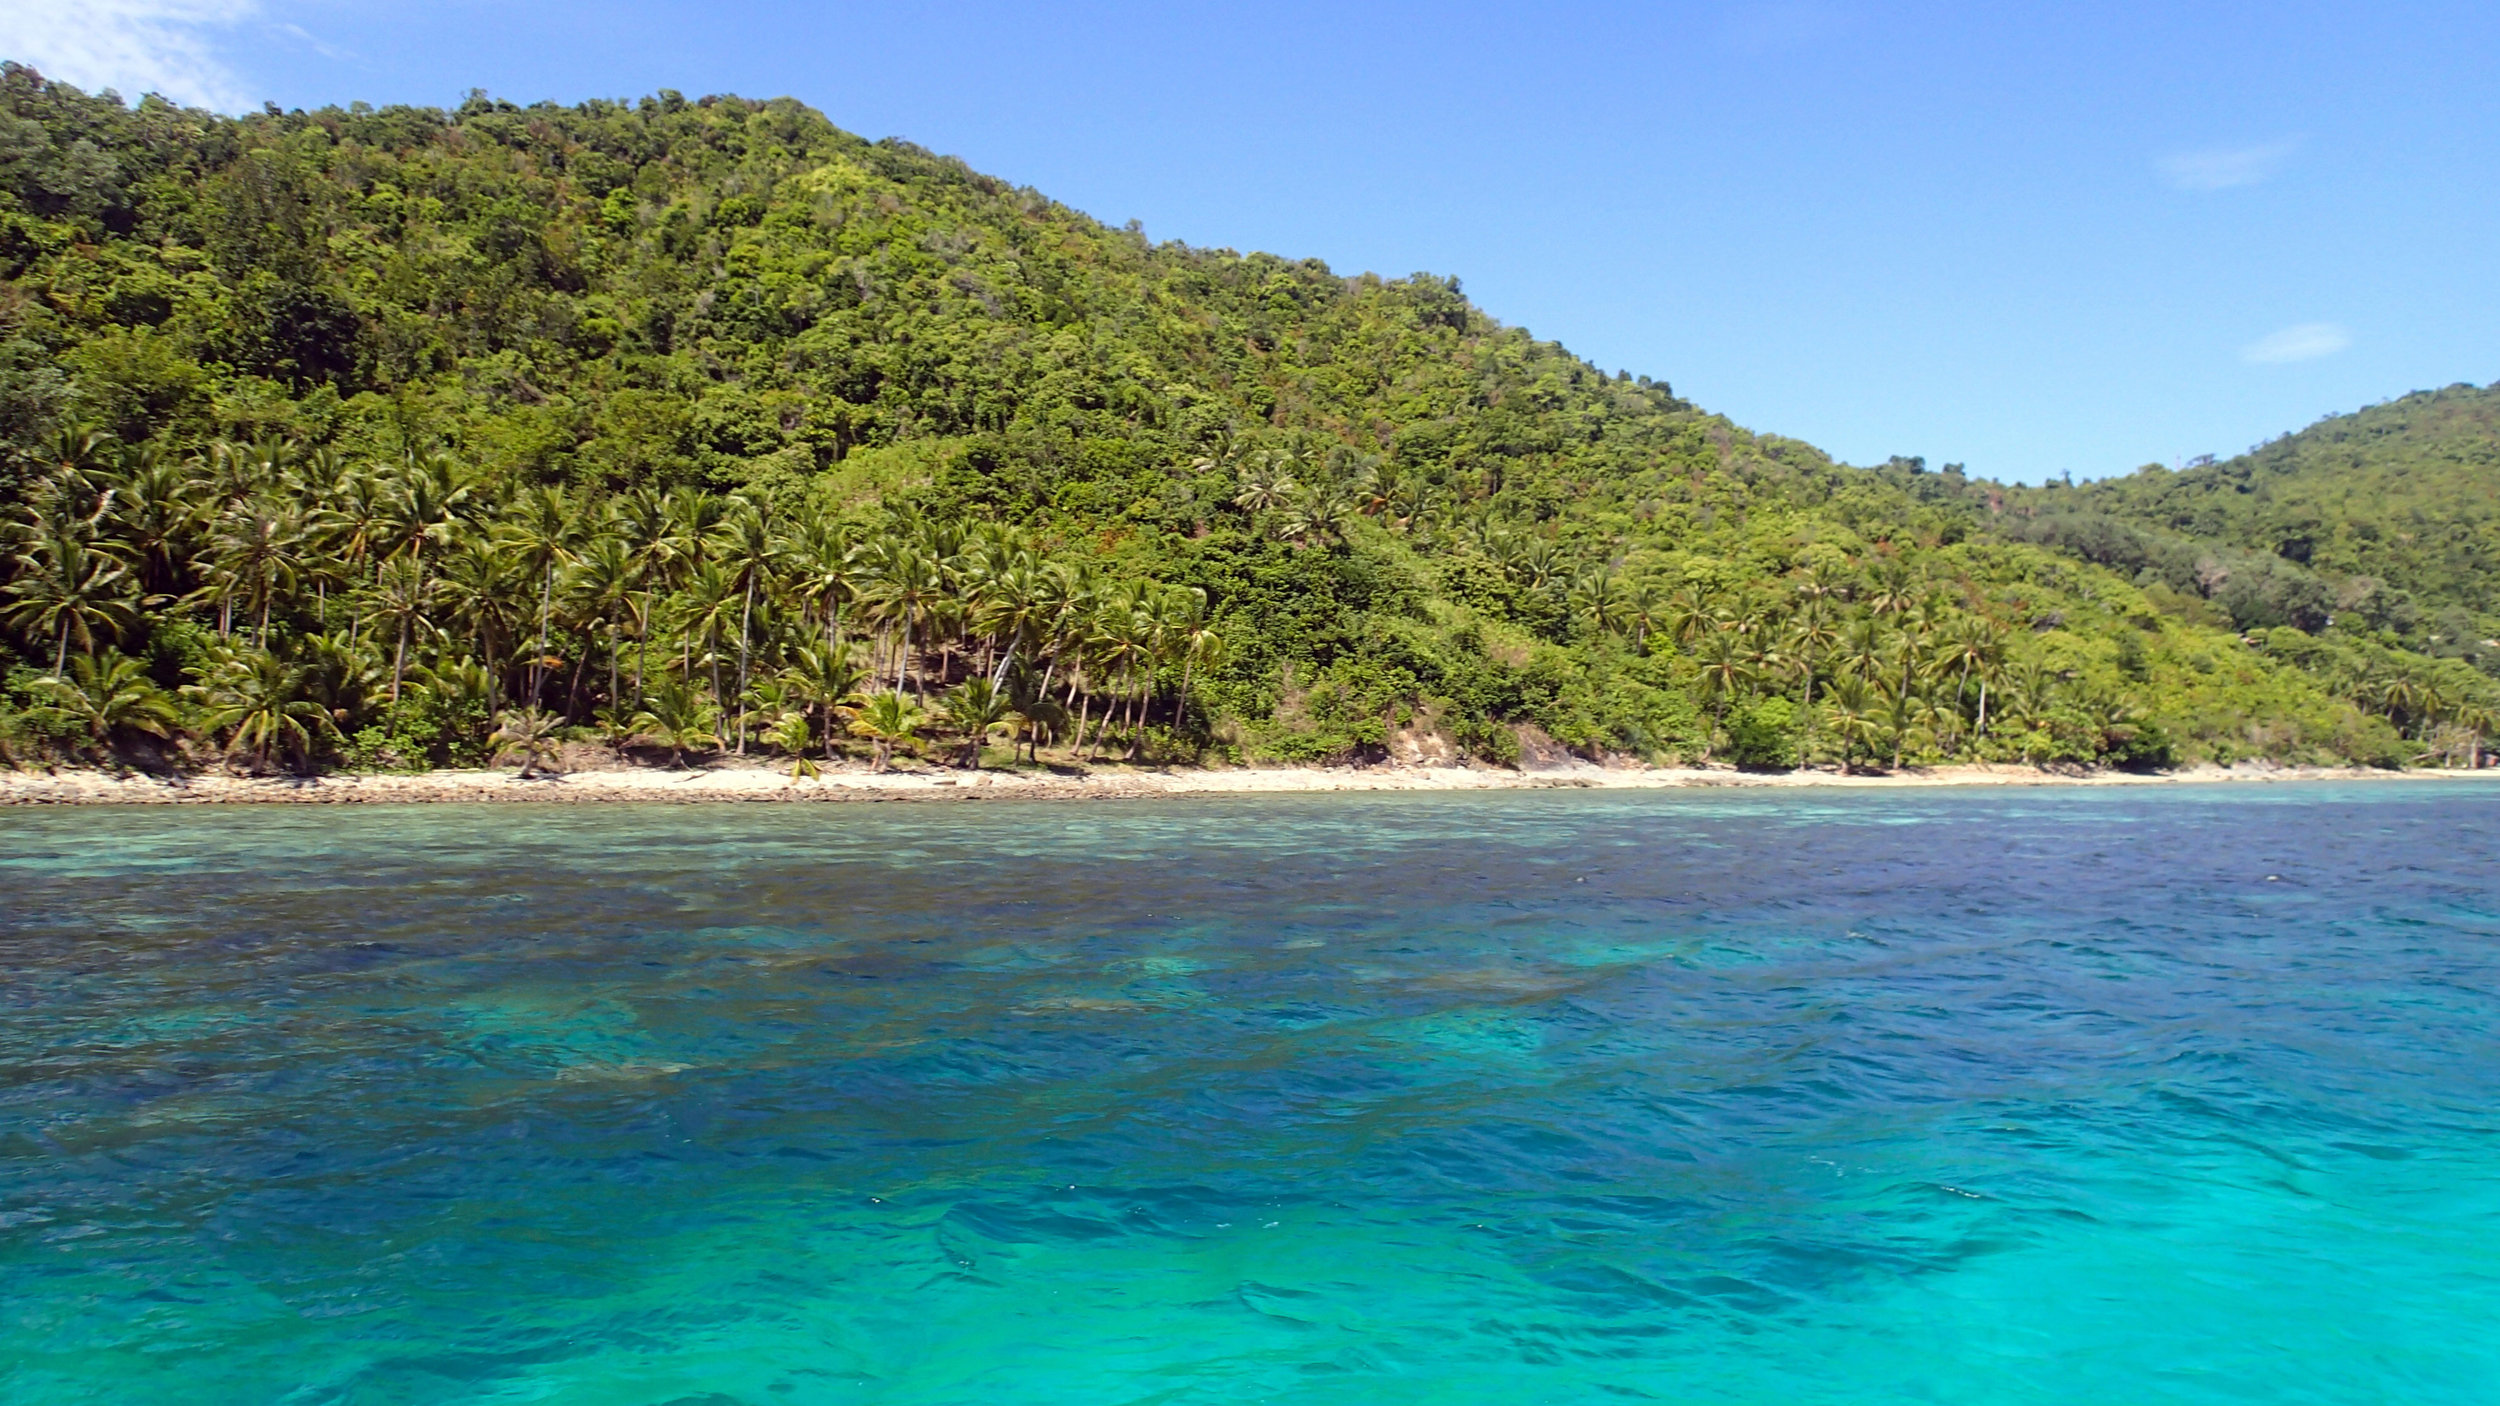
<point x="2176" y="1095"/>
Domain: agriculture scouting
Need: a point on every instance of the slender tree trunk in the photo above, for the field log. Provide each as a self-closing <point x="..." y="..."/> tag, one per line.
<point x="746" y="620"/>
<point x="494" y="679"/>
<point x="60" y="652"/>
<point x="399" y="663"/>
<point x="1082" y="715"/>
<point x="546" y="607"/>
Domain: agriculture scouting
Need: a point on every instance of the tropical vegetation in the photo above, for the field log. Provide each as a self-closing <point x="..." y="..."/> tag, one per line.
<point x="401" y="438"/>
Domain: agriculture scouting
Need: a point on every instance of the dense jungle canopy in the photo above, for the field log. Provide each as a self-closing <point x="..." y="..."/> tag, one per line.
<point x="403" y="437"/>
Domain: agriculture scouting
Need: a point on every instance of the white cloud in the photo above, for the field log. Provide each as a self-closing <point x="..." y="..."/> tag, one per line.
<point x="2306" y="342"/>
<point x="2220" y="168"/>
<point x="131" y="46"/>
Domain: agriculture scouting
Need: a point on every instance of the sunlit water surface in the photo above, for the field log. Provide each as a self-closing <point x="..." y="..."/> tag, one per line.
<point x="2175" y="1095"/>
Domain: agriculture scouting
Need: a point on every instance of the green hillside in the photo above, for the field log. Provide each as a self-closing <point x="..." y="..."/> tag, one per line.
<point x="404" y="437"/>
<point x="2406" y="493"/>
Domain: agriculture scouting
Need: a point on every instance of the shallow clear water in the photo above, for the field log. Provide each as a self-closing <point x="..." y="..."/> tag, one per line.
<point x="2172" y="1095"/>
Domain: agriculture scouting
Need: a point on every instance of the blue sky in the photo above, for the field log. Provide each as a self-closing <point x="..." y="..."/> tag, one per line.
<point x="2017" y="236"/>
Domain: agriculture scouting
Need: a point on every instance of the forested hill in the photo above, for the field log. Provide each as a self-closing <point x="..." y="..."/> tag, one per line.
<point x="2405" y="493"/>
<point x="399" y="437"/>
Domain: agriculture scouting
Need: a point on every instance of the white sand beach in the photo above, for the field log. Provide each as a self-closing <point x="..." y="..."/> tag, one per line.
<point x="734" y="782"/>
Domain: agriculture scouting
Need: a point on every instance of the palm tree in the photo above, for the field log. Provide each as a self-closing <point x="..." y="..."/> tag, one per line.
<point x="403" y="599"/>
<point x="703" y="610"/>
<point x="153" y="519"/>
<point x="1811" y="637"/>
<point x="601" y="587"/>
<point x="260" y="699"/>
<point x="825" y="679"/>
<point x="1894" y="589"/>
<point x="1725" y="670"/>
<point x="539" y="533"/>
<point x="1031" y="713"/>
<point x="750" y="551"/>
<point x="107" y="697"/>
<point x="473" y="580"/>
<point x="427" y="497"/>
<point x="1599" y="599"/>
<point x="1688" y="614"/>
<point x="790" y="733"/>
<point x="886" y="720"/>
<point x="1188" y="637"/>
<point x="1863" y="651"/>
<point x="530" y="734"/>
<point x="1266" y="482"/>
<point x="675" y="715"/>
<point x="257" y="551"/>
<point x="1853" y="712"/>
<point x="70" y="589"/>
<point x="975" y="709"/>
<point x="906" y="582"/>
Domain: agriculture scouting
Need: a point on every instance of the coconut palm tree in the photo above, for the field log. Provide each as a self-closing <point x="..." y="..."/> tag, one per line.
<point x="791" y="734"/>
<point x="1599" y="598"/>
<point x="1811" y="638"/>
<point x="258" y="700"/>
<point x="153" y="520"/>
<point x="108" y="697"/>
<point x="887" y="720"/>
<point x="749" y="549"/>
<point x="600" y="587"/>
<point x="540" y="532"/>
<point x="975" y="709"/>
<point x="1855" y="716"/>
<point x="528" y="733"/>
<point x="825" y="679"/>
<point x="1030" y="712"/>
<point x="257" y="551"/>
<point x="1267" y="482"/>
<point x="70" y="589"/>
<point x="677" y="717"/>
<point x="404" y="600"/>
<point x="1725" y="670"/>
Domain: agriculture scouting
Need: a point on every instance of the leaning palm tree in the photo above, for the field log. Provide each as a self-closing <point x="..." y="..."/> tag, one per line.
<point x="108" y="697"/>
<point x="886" y="720"/>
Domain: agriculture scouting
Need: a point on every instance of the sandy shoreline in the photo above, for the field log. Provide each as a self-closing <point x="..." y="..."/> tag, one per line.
<point x="68" y="786"/>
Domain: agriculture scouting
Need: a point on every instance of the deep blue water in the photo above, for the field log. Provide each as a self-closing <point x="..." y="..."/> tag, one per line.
<point x="2183" y="1094"/>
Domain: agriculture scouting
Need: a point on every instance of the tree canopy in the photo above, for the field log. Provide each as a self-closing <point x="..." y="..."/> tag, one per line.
<point x="402" y="436"/>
